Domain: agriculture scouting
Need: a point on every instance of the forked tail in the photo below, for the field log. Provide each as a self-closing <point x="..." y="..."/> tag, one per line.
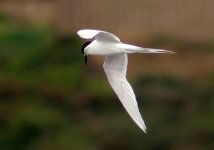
<point x="135" y="49"/>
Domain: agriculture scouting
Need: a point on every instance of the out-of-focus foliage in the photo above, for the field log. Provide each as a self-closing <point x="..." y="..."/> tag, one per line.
<point x="49" y="100"/>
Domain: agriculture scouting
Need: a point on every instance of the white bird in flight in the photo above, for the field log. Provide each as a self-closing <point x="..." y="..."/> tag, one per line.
<point x="115" y="65"/>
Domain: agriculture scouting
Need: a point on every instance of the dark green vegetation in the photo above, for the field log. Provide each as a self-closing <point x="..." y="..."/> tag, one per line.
<point x="50" y="101"/>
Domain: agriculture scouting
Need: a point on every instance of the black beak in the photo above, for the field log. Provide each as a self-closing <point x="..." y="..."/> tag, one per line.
<point x="82" y="50"/>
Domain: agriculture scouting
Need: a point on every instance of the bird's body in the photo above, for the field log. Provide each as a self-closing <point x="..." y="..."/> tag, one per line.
<point x="102" y="48"/>
<point x="115" y="66"/>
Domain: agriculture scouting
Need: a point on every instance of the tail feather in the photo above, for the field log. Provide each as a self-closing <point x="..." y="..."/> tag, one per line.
<point x="135" y="49"/>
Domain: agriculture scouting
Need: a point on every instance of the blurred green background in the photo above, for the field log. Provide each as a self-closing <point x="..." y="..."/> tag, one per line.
<point x="49" y="100"/>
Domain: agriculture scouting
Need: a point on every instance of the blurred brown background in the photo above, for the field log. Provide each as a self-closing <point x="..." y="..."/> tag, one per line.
<point x="186" y="19"/>
<point x="50" y="100"/>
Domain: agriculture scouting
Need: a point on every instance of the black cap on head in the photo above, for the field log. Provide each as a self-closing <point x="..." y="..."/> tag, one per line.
<point x="82" y="49"/>
<point x="85" y="45"/>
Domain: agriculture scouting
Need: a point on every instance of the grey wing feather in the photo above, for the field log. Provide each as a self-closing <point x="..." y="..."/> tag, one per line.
<point x="98" y="35"/>
<point x="115" y="67"/>
<point x="106" y="36"/>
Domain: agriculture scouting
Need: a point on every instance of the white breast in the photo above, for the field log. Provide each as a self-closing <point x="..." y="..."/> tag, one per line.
<point x="103" y="48"/>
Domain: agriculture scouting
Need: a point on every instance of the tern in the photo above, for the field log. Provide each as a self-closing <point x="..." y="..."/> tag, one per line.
<point x="115" y="65"/>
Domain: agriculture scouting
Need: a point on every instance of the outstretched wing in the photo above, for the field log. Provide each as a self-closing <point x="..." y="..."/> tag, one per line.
<point x="98" y="35"/>
<point x="115" y="67"/>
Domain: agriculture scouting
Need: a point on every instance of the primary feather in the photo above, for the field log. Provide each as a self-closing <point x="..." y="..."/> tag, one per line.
<point x="115" y="67"/>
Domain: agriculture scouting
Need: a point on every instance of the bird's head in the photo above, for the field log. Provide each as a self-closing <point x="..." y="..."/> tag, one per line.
<point x="83" y="50"/>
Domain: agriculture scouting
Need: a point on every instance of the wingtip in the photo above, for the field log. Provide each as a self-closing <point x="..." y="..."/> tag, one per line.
<point x="79" y="32"/>
<point x="87" y="33"/>
<point x="169" y="52"/>
<point x="144" y="129"/>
